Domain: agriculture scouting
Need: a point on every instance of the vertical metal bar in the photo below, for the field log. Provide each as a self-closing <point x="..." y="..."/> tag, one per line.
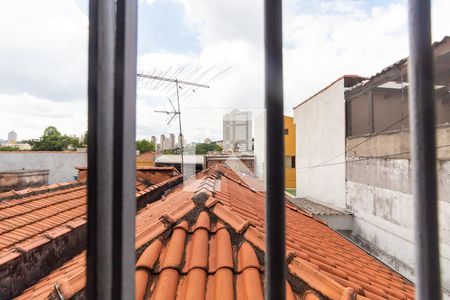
<point x="100" y="155"/>
<point x="275" y="273"/>
<point x="124" y="206"/>
<point x="422" y="124"/>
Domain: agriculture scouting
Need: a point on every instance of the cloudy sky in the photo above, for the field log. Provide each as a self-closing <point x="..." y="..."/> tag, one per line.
<point x="43" y="57"/>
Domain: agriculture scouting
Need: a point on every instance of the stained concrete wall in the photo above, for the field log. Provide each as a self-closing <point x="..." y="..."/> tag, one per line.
<point x="396" y="142"/>
<point x="379" y="195"/>
<point x="19" y="180"/>
<point x="320" y="136"/>
<point x="61" y="164"/>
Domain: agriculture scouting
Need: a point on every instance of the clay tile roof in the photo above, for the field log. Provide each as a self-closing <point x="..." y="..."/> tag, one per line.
<point x="146" y="156"/>
<point x="37" y="219"/>
<point x="206" y="241"/>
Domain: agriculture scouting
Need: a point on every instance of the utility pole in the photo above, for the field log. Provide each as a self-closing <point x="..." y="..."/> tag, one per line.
<point x="175" y="112"/>
<point x="179" y="123"/>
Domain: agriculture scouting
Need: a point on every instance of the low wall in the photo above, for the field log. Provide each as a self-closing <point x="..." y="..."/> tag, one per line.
<point x="19" y="180"/>
<point x="61" y="164"/>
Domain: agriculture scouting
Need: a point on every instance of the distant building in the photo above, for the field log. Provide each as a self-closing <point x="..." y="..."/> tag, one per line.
<point x="289" y="149"/>
<point x="207" y="141"/>
<point x="192" y="163"/>
<point x="153" y="140"/>
<point x="237" y="131"/>
<point x="219" y="143"/>
<point x="12" y="137"/>
<point x="181" y="141"/>
<point x="12" y="142"/>
<point x="162" y="143"/>
<point x="146" y="159"/>
<point x="172" y="142"/>
<point x="242" y="162"/>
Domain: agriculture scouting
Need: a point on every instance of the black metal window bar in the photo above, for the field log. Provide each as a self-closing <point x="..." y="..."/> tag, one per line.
<point x="111" y="153"/>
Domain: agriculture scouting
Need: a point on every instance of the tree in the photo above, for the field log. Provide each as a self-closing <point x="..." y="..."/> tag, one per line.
<point x="30" y="142"/>
<point x="144" y="146"/>
<point x="85" y="139"/>
<point x="203" y="148"/>
<point x="8" y="148"/>
<point x="53" y="140"/>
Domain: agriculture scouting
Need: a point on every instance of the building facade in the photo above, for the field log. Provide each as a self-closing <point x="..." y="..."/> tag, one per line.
<point x="289" y="149"/>
<point x="12" y="137"/>
<point x="237" y="131"/>
<point x="353" y="153"/>
<point x="153" y="140"/>
<point x="242" y="163"/>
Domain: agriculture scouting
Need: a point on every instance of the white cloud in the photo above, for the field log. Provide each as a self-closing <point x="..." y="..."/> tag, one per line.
<point x="44" y="55"/>
<point x="44" y="49"/>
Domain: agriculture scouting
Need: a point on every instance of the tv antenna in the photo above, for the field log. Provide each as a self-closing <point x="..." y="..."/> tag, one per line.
<point x="174" y="112"/>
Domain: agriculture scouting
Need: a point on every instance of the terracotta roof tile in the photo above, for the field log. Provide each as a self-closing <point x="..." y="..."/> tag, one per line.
<point x="47" y="211"/>
<point x="213" y="266"/>
<point x="215" y="254"/>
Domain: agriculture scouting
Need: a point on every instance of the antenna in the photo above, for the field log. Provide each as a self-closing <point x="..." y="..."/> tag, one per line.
<point x="177" y="111"/>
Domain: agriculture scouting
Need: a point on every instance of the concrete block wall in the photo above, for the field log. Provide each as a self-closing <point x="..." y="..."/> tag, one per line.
<point x="379" y="194"/>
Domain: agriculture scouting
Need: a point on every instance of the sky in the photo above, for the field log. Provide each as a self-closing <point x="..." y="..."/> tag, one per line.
<point x="43" y="57"/>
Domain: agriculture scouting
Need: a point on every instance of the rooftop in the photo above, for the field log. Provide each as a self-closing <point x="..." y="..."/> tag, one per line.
<point x="176" y="159"/>
<point x="146" y="156"/>
<point x="45" y="226"/>
<point x="206" y="240"/>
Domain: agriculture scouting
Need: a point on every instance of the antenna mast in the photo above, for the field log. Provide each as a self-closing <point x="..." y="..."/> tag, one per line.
<point x="175" y="112"/>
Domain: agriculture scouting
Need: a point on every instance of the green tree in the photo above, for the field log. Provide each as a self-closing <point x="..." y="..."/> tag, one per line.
<point x="30" y="142"/>
<point x="203" y="148"/>
<point x="8" y="148"/>
<point x="53" y="140"/>
<point x="85" y="139"/>
<point x="144" y="146"/>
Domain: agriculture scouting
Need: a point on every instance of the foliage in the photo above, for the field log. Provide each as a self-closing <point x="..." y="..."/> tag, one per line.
<point x="53" y="140"/>
<point x="205" y="148"/>
<point x="85" y="139"/>
<point x="30" y="142"/>
<point x="144" y="146"/>
<point x="8" y="148"/>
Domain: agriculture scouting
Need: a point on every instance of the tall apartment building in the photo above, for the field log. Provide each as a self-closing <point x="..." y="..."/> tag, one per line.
<point x="162" y="143"/>
<point x="172" y="142"/>
<point x="181" y="140"/>
<point x="237" y="131"/>
<point x="12" y="137"/>
<point x="153" y="140"/>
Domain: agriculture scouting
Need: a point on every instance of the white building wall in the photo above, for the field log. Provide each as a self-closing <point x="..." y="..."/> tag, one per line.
<point x="237" y="128"/>
<point x="320" y="135"/>
<point x="260" y="142"/>
<point x="61" y="164"/>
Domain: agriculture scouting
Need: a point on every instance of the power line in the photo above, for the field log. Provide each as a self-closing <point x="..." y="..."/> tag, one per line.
<point x="367" y="158"/>
<point x="161" y="21"/>
<point x="359" y="144"/>
<point x="371" y="137"/>
<point x="191" y="92"/>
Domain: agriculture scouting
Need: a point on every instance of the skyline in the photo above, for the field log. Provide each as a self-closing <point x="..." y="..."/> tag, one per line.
<point x="44" y="85"/>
